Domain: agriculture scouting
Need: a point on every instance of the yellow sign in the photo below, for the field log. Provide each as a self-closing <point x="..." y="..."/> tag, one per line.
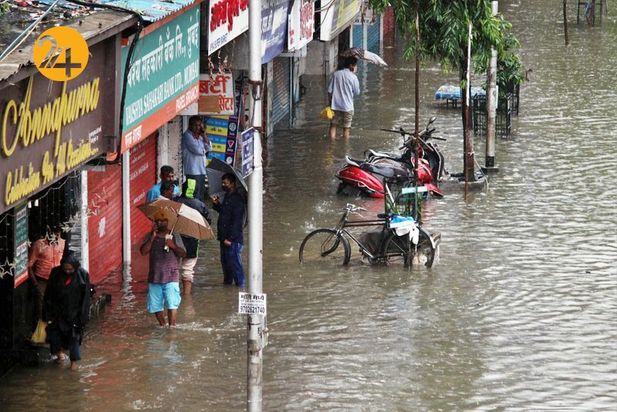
<point x="60" y="53"/>
<point x="34" y="124"/>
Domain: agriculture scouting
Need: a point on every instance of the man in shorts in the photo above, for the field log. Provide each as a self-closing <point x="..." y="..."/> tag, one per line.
<point x="342" y="89"/>
<point x="164" y="273"/>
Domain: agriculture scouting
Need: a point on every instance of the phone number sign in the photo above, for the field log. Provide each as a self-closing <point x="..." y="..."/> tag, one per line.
<point x="252" y="303"/>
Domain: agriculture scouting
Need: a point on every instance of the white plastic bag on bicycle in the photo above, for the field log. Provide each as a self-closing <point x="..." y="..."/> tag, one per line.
<point x="403" y="225"/>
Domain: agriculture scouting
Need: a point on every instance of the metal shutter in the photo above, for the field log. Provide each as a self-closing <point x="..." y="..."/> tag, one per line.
<point x="143" y="177"/>
<point x="372" y="36"/>
<point x="280" y="89"/>
<point x="105" y="221"/>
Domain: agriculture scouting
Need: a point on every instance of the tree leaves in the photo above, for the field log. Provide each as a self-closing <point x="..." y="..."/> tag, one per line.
<point x="443" y="33"/>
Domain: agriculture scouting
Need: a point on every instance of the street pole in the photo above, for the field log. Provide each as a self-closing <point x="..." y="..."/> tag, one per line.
<point x="417" y="118"/>
<point x="491" y="108"/>
<point x="255" y="211"/>
<point x="468" y="141"/>
<point x="565" y="21"/>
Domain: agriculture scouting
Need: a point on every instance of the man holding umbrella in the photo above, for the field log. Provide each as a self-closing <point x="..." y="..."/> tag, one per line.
<point x="342" y="89"/>
<point x="164" y="272"/>
<point x="229" y="230"/>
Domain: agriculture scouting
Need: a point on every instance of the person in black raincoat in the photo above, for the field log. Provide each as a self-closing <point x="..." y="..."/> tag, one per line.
<point x="67" y="307"/>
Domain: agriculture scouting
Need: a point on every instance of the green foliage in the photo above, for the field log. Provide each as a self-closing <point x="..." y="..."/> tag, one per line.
<point x="443" y="35"/>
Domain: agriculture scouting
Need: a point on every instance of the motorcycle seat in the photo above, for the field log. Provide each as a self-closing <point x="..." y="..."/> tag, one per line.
<point x="352" y="162"/>
<point x="385" y="171"/>
<point x="373" y="153"/>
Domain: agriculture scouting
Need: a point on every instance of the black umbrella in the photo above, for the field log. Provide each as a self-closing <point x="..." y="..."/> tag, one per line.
<point x="216" y="169"/>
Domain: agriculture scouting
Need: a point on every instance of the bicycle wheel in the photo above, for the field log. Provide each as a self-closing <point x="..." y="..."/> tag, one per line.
<point x="397" y="250"/>
<point x="424" y="253"/>
<point x="322" y="245"/>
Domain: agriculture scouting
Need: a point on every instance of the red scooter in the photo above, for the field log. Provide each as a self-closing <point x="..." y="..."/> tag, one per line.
<point x="367" y="175"/>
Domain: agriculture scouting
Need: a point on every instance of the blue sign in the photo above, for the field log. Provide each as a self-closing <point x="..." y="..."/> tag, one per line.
<point x="273" y="29"/>
<point x="248" y="150"/>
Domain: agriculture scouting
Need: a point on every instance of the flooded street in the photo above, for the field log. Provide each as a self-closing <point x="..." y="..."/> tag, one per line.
<point x="520" y="312"/>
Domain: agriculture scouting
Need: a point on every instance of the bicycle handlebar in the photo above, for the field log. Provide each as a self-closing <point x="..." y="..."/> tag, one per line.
<point x="353" y="208"/>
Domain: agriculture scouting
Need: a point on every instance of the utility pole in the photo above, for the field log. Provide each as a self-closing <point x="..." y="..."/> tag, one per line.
<point x="491" y="108"/>
<point x="255" y="210"/>
<point x="468" y="163"/>
<point x="565" y="21"/>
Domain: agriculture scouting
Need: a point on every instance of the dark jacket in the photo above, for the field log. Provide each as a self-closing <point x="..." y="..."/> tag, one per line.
<point x="231" y="217"/>
<point x="190" y="243"/>
<point x="67" y="298"/>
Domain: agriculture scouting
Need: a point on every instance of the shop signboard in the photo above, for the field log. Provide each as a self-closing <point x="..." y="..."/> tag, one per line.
<point x="248" y="149"/>
<point x="227" y="19"/>
<point x="338" y="16"/>
<point x="273" y="28"/>
<point x="222" y="132"/>
<point x="216" y="94"/>
<point x="20" y="270"/>
<point x="300" y="24"/>
<point x="49" y="128"/>
<point x="163" y="79"/>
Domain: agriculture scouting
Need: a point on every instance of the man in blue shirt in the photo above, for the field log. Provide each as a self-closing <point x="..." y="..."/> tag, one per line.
<point x="342" y="89"/>
<point x="167" y="175"/>
<point x="229" y="230"/>
<point x="195" y="146"/>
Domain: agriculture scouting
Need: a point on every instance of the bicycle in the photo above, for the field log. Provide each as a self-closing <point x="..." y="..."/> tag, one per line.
<point x="323" y="244"/>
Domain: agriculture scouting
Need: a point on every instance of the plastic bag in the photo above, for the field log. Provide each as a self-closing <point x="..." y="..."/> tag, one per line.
<point x="327" y="113"/>
<point x="40" y="333"/>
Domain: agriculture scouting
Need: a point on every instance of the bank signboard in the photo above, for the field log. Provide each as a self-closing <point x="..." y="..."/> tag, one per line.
<point x="339" y="15"/>
<point x="301" y="24"/>
<point x="49" y="128"/>
<point x="163" y="79"/>
<point x="227" y="19"/>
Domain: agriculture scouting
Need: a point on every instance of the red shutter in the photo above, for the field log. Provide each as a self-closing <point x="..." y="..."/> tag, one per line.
<point x="105" y="221"/>
<point x="143" y="176"/>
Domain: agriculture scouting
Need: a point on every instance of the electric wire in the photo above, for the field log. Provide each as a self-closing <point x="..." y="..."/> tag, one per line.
<point x="24" y="35"/>
<point x="129" y="58"/>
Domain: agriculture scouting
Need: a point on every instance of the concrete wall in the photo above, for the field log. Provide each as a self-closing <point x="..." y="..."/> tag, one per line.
<point x="321" y="56"/>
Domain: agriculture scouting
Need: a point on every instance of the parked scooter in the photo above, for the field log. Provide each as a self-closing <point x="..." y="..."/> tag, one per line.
<point x="367" y="175"/>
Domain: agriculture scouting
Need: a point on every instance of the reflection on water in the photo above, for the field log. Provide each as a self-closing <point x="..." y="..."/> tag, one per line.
<point x="520" y="313"/>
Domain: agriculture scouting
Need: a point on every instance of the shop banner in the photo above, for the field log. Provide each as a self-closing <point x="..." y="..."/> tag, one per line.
<point x="20" y="271"/>
<point x="338" y="16"/>
<point x="273" y="28"/>
<point x="222" y="132"/>
<point x="50" y="128"/>
<point x="216" y="94"/>
<point x="227" y="19"/>
<point x="300" y="24"/>
<point x="163" y="79"/>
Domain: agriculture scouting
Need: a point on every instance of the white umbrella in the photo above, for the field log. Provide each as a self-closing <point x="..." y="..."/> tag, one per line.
<point x="364" y="55"/>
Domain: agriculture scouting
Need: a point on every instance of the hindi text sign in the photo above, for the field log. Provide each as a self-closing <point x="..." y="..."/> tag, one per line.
<point x="163" y="78"/>
<point x="227" y="19"/>
<point x="216" y="94"/>
<point x="301" y="24"/>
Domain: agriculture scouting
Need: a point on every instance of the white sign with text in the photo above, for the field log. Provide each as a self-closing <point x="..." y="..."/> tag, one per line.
<point x="251" y="303"/>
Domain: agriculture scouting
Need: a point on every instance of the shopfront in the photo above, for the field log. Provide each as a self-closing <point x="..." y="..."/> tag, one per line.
<point x="49" y="131"/>
<point x="162" y="83"/>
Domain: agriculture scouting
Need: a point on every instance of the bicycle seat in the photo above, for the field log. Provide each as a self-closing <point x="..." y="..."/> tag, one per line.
<point x="384" y="215"/>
